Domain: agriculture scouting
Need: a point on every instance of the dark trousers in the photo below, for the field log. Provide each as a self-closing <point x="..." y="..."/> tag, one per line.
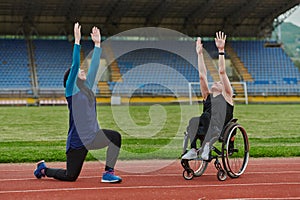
<point x="197" y="128"/>
<point x="76" y="157"/>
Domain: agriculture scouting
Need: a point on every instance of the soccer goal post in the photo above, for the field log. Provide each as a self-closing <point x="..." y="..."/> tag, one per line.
<point x="240" y="91"/>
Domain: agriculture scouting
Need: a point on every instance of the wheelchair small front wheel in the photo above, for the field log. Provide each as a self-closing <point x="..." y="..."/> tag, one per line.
<point x="188" y="174"/>
<point x="221" y="175"/>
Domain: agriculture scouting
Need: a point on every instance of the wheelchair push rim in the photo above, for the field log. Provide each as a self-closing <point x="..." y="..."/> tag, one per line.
<point x="199" y="166"/>
<point x="235" y="151"/>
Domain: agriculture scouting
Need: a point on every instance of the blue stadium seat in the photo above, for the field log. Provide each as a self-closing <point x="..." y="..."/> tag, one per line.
<point x="267" y="65"/>
<point x="52" y="58"/>
<point x="14" y="70"/>
<point x="159" y="72"/>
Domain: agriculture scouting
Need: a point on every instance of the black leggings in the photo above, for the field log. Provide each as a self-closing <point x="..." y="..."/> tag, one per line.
<point x="76" y="157"/>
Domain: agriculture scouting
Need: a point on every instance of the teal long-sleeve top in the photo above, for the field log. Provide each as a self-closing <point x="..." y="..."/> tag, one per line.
<point x="83" y="123"/>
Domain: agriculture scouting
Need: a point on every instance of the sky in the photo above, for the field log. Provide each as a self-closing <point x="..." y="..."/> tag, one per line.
<point x="294" y="17"/>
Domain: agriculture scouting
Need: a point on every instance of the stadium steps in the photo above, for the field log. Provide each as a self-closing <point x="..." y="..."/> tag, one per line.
<point x="238" y="64"/>
<point x="239" y="90"/>
<point x="114" y="67"/>
<point x="104" y="88"/>
<point x="115" y="72"/>
<point x="82" y="55"/>
<point x="32" y="67"/>
<point x="211" y="66"/>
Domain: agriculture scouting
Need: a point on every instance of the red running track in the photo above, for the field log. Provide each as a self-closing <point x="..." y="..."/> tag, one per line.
<point x="264" y="178"/>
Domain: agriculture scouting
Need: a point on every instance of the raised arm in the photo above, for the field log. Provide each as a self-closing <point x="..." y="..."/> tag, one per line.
<point x="220" y="44"/>
<point x="95" y="62"/>
<point x="71" y="81"/>
<point x="202" y="69"/>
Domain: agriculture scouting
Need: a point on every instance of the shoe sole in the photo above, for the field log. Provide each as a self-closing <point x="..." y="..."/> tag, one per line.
<point x="114" y="181"/>
<point x="38" y="176"/>
<point x="41" y="161"/>
<point x="189" y="158"/>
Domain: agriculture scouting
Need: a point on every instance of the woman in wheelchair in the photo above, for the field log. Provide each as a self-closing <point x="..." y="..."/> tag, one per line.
<point x="217" y="104"/>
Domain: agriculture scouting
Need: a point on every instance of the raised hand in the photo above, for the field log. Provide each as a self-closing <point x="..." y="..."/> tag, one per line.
<point x="96" y="36"/>
<point x="199" y="46"/>
<point x="220" y="41"/>
<point x="77" y="32"/>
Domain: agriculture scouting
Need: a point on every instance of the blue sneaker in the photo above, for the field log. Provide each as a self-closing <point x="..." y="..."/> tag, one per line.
<point x="110" y="177"/>
<point x="41" y="165"/>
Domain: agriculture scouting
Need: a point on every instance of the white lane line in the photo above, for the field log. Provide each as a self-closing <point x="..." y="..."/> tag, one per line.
<point x="147" y="187"/>
<point x="283" y="198"/>
<point x="140" y="165"/>
<point x="158" y="175"/>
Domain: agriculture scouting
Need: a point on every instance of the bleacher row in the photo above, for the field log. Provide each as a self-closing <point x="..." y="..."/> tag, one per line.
<point x="273" y="71"/>
<point x="14" y="71"/>
<point x="146" y="67"/>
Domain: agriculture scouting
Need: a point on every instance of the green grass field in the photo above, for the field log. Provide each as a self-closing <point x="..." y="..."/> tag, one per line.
<point x="29" y="134"/>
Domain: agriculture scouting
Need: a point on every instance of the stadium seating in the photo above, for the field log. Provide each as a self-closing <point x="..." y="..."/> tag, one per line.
<point x="52" y="58"/>
<point x="14" y="65"/>
<point x="273" y="71"/>
<point x="146" y="67"/>
<point x="87" y="46"/>
<point x="149" y="68"/>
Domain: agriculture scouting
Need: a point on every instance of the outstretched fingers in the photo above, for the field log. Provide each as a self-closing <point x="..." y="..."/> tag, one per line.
<point x="220" y="35"/>
<point x="199" y="46"/>
<point x="198" y="42"/>
<point x="77" y="32"/>
<point x="223" y="36"/>
<point x="96" y="36"/>
<point x="77" y="26"/>
<point x="95" y="30"/>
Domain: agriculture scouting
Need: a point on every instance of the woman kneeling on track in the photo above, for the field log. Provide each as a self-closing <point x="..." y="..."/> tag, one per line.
<point x="217" y="103"/>
<point x="84" y="131"/>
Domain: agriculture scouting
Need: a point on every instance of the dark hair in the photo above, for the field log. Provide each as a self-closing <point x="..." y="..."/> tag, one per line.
<point x="66" y="75"/>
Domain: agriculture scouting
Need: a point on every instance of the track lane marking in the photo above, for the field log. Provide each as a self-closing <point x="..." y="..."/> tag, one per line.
<point x="157" y="175"/>
<point x="147" y="187"/>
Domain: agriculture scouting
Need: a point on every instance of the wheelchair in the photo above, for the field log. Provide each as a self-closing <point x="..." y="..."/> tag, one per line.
<point x="232" y="150"/>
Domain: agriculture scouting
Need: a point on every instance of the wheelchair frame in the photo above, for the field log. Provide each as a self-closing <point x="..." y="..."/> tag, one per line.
<point x="234" y="157"/>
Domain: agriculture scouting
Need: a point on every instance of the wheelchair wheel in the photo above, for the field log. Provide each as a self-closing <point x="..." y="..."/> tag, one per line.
<point x="235" y="150"/>
<point x="221" y="175"/>
<point x="188" y="174"/>
<point x="198" y="166"/>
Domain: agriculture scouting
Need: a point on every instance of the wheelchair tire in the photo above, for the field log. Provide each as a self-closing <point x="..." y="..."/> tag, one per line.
<point x="235" y="150"/>
<point x="221" y="175"/>
<point x="188" y="174"/>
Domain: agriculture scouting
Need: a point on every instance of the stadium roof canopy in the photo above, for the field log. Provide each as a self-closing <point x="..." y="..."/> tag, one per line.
<point x="239" y="18"/>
